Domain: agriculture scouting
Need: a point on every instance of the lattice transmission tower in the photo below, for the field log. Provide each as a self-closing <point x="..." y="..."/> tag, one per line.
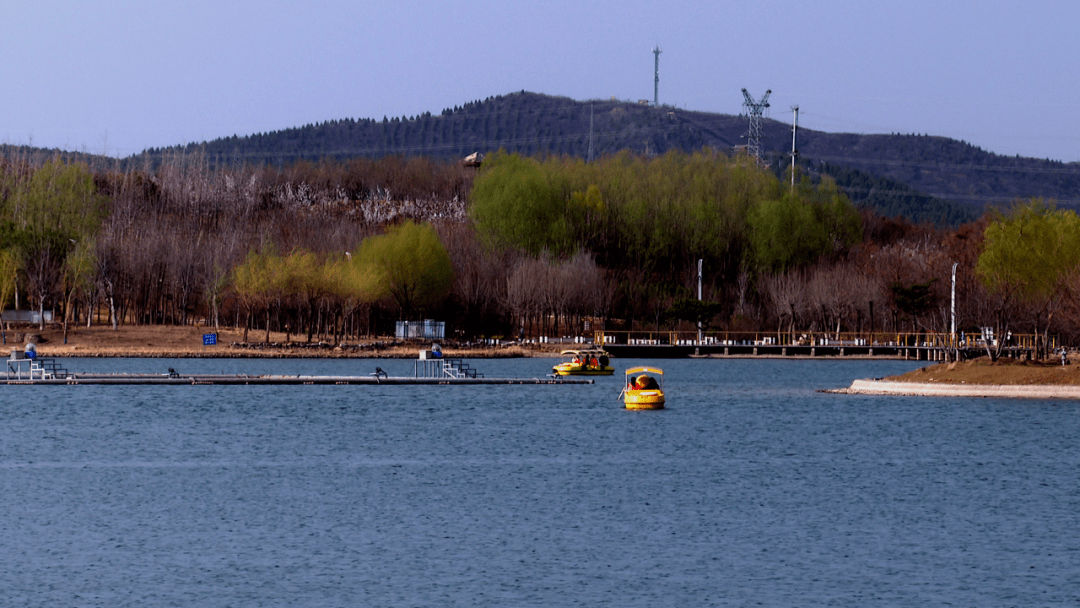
<point x="755" y="109"/>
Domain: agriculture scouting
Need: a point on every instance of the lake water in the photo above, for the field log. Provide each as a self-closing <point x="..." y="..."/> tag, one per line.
<point x="752" y="488"/>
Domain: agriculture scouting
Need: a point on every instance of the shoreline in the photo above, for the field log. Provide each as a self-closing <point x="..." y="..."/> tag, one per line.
<point x="268" y="354"/>
<point x="927" y="389"/>
<point x="253" y="351"/>
<point x="1003" y="379"/>
<point x="186" y="342"/>
<point x="183" y="342"/>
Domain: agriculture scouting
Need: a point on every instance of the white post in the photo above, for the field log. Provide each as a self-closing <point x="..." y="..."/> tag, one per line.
<point x="952" y="335"/>
<point x="794" y="153"/>
<point x="699" y="299"/>
<point x="954" y="298"/>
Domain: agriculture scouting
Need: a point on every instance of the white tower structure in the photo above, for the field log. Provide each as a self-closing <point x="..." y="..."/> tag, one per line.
<point x="794" y="150"/>
<point x="656" y="77"/>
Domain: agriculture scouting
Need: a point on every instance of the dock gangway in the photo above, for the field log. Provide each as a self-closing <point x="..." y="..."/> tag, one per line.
<point x="24" y="365"/>
<point x="444" y="368"/>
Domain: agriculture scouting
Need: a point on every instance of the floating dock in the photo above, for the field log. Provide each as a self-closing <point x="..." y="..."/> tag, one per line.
<point x="179" y="379"/>
<point x="24" y="367"/>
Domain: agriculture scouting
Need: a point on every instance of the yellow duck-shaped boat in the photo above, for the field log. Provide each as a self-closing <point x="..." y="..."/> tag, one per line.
<point x="644" y="388"/>
<point x="589" y="362"/>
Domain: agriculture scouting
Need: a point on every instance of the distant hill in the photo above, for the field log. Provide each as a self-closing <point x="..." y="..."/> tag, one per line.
<point x="924" y="178"/>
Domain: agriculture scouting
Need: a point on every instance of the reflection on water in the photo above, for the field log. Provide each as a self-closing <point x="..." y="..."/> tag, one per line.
<point x="752" y="487"/>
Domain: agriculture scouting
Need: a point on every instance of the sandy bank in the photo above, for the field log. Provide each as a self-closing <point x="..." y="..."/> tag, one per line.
<point x="928" y="389"/>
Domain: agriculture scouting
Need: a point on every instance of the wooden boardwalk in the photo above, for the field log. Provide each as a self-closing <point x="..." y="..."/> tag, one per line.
<point x="918" y="346"/>
<point x="742" y="351"/>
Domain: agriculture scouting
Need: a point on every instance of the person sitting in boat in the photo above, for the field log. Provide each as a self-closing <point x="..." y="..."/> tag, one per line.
<point x="436" y="351"/>
<point x="576" y="360"/>
<point x="593" y="363"/>
<point x="645" y="382"/>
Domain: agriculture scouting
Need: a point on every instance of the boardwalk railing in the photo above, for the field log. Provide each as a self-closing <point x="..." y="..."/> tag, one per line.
<point x="921" y="345"/>
<point x="808" y="338"/>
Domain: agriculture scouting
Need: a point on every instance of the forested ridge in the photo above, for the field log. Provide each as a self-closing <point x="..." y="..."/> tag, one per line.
<point x="962" y="177"/>
<point x="922" y="178"/>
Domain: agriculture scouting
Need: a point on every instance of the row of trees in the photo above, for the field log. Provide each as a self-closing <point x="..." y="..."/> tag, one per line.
<point x="161" y="245"/>
<point x="1030" y="264"/>
<point x="305" y="291"/>
<point x="50" y="218"/>
<point x="801" y="258"/>
<point x="662" y="214"/>
<point x="545" y="246"/>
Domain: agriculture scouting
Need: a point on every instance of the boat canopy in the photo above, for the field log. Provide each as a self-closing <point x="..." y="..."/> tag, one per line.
<point x="585" y="351"/>
<point x="645" y="370"/>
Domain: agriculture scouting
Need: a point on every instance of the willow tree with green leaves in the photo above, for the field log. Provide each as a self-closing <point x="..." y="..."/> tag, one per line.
<point x="253" y="281"/>
<point x="802" y="227"/>
<point x="413" y="267"/>
<point x="300" y="281"/>
<point x="516" y="201"/>
<point x="1028" y="256"/>
<point x="77" y="279"/>
<point x="353" y="285"/>
<point x="304" y="284"/>
<point x="661" y="213"/>
<point x="651" y="218"/>
<point x="9" y="276"/>
<point x="54" y="211"/>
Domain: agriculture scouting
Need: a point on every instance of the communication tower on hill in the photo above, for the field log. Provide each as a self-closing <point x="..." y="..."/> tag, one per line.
<point x="754" y="110"/>
<point x="656" y="77"/>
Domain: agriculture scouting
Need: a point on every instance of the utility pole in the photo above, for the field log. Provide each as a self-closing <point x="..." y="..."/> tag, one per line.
<point x="794" y="151"/>
<point x="954" y="298"/>
<point x="953" y="334"/>
<point x="697" y="349"/>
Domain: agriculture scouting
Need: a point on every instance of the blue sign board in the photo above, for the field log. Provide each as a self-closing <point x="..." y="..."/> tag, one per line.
<point x="209" y="339"/>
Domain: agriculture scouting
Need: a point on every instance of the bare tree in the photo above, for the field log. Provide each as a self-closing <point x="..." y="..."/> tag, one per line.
<point x="521" y="293"/>
<point x="787" y="292"/>
<point x="480" y="271"/>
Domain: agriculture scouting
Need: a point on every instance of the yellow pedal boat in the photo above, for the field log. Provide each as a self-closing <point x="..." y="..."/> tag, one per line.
<point x="644" y="388"/>
<point x="587" y="362"/>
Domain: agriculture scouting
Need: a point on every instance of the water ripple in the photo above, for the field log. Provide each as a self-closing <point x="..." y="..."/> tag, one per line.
<point x="751" y="489"/>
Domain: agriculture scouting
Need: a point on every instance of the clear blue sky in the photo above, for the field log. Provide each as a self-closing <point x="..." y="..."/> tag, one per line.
<point x="119" y="76"/>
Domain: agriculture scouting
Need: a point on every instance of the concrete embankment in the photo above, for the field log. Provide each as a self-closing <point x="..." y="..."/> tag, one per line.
<point x="933" y="389"/>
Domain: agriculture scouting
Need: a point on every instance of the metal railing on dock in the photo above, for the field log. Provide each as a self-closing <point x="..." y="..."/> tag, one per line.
<point x="443" y="368"/>
<point x="915" y="345"/>
<point x="25" y="366"/>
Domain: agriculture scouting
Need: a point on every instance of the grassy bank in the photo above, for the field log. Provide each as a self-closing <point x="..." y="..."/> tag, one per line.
<point x="1000" y="372"/>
